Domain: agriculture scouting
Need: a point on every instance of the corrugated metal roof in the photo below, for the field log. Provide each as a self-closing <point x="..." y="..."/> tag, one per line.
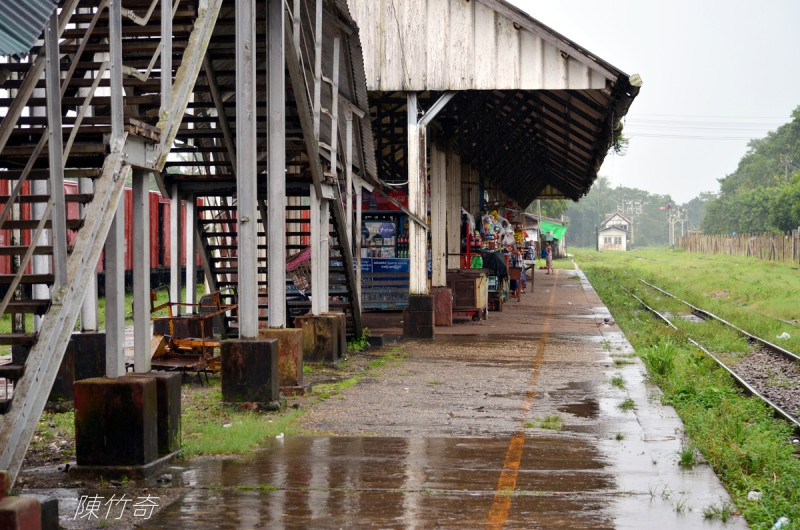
<point x="21" y="24"/>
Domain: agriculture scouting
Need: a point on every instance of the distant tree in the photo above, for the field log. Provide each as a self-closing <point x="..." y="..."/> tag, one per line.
<point x="762" y="194"/>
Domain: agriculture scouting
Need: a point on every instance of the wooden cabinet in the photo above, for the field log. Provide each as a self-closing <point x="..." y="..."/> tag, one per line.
<point x="470" y="288"/>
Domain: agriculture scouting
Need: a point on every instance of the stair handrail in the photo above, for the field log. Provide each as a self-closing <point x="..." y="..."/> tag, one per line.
<point x="84" y="108"/>
<point x="28" y="255"/>
<point x="134" y="72"/>
<point x="131" y="15"/>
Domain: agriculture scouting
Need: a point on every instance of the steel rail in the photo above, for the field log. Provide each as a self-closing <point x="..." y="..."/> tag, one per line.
<point x="736" y="376"/>
<point x="786" y="353"/>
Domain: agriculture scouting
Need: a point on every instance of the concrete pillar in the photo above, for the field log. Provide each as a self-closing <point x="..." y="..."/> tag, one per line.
<point x="247" y="167"/>
<point x="191" y="253"/>
<point x="276" y="188"/>
<point x="141" y="272"/>
<point x="89" y="307"/>
<point x="175" y="248"/>
<point x="115" y="294"/>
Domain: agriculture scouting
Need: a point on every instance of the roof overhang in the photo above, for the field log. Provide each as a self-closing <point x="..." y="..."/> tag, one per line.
<point x="534" y="113"/>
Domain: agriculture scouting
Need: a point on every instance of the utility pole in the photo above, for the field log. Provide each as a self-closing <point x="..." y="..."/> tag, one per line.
<point x="630" y="208"/>
<point x="679" y="215"/>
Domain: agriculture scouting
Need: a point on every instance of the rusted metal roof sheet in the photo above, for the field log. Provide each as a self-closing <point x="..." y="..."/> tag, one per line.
<point x="21" y="24"/>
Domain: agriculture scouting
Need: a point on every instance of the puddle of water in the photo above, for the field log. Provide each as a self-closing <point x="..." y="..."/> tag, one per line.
<point x="587" y="408"/>
<point x="408" y="482"/>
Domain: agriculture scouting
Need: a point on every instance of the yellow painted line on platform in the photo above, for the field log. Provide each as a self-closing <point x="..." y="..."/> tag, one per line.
<point x="498" y="513"/>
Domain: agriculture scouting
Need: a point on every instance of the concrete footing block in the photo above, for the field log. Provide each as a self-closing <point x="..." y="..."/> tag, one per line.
<point x="418" y="318"/>
<point x="84" y="358"/>
<point x="168" y="409"/>
<point x="290" y="357"/>
<point x="322" y="336"/>
<point x="341" y="331"/>
<point x="20" y="513"/>
<point x="116" y="421"/>
<point x="250" y="371"/>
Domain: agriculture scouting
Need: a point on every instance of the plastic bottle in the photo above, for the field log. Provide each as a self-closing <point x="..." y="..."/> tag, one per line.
<point x="780" y="523"/>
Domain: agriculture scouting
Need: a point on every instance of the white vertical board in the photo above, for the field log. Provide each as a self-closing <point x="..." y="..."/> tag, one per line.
<point x="437" y="36"/>
<point x="413" y="14"/>
<point x="461" y="47"/>
<point x="486" y="76"/>
<point x="508" y="66"/>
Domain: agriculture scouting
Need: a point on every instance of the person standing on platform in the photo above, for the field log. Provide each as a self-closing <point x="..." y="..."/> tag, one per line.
<point x="548" y="257"/>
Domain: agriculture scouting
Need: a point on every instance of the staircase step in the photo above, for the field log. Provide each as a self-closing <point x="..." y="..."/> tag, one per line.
<point x="36" y="307"/>
<point x="12" y="371"/>
<point x="44" y="174"/>
<point x="82" y="198"/>
<point x="13" y="224"/>
<point x="28" y="279"/>
<point x="20" y="250"/>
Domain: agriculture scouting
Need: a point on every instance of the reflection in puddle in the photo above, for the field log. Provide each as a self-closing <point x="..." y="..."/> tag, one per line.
<point x="404" y="482"/>
<point x="587" y="408"/>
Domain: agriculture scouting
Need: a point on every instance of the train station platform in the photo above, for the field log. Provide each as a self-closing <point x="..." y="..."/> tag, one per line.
<point x="510" y="422"/>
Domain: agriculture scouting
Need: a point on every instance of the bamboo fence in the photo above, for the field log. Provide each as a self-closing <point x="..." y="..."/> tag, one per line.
<point x="770" y="247"/>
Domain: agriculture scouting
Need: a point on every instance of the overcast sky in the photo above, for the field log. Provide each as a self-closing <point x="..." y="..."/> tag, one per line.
<point x="716" y="74"/>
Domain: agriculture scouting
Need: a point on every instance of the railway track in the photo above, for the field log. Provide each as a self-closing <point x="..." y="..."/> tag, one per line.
<point x="769" y="372"/>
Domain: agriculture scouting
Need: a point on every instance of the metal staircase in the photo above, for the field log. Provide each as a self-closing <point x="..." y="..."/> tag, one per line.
<point x="191" y="115"/>
<point x="216" y="226"/>
<point x="36" y="279"/>
<point x="206" y="170"/>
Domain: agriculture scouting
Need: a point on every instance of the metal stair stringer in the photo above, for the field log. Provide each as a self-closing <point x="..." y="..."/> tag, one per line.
<point x="340" y="226"/>
<point x="45" y="356"/>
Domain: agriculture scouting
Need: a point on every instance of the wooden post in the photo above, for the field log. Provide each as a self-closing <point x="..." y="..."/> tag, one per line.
<point x="438" y="216"/>
<point x="453" y="211"/>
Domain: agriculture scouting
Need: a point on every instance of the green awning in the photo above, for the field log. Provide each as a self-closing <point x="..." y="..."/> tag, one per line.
<point x="21" y="24"/>
<point x="557" y="230"/>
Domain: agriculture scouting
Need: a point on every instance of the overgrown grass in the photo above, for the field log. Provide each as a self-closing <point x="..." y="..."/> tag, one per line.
<point x="361" y="343"/>
<point x="739" y="436"/>
<point x="211" y="427"/>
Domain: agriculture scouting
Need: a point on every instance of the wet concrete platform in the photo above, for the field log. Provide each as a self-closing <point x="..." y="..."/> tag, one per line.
<point x="510" y="422"/>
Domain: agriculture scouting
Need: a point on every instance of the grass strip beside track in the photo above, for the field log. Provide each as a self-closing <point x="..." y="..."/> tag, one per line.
<point x="747" y="446"/>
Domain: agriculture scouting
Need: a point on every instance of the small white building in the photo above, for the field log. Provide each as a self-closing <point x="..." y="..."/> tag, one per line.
<point x="614" y="233"/>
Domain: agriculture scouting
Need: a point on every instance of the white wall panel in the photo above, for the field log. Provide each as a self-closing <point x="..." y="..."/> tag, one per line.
<point x="458" y="44"/>
<point x="485" y="45"/>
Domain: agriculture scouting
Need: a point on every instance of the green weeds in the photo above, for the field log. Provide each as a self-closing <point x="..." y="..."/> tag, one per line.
<point x="737" y="434"/>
